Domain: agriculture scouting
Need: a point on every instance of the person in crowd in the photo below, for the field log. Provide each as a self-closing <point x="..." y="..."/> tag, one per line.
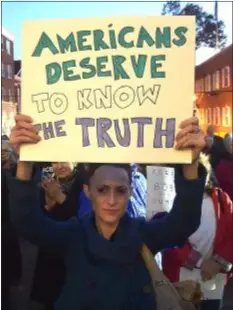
<point x="65" y="198"/>
<point x="137" y="203"/>
<point x="210" y="247"/>
<point x="224" y="170"/>
<point x="139" y="192"/>
<point x="215" y="147"/>
<point x="11" y="256"/>
<point x="59" y="201"/>
<point x="105" y="269"/>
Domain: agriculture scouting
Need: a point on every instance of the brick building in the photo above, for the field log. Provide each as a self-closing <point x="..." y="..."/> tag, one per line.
<point x="17" y="79"/>
<point x="214" y="91"/>
<point x="8" y="99"/>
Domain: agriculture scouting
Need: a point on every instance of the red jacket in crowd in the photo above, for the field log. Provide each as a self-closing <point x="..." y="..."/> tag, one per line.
<point x="174" y="259"/>
<point x="224" y="174"/>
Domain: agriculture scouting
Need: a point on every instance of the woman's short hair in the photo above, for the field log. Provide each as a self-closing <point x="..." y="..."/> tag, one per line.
<point x="91" y="168"/>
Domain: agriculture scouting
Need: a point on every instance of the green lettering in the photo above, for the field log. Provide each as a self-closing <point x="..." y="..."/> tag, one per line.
<point x="81" y="40"/>
<point x="121" y="37"/>
<point x="112" y="37"/>
<point x="100" y="65"/>
<point x="84" y="63"/>
<point x="139" y="65"/>
<point x="180" y="33"/>
<point x="53" y="73"/>
<point x="119" y="72"/>
<point x="98" y="40"/>
<point x="69" y="73"/>
<point x="163" y="37"/>
<point x="67" y="44"/>
<point x="155" y="65"/>
<point x="144" y="36"/>
<point x="44" y="42"/>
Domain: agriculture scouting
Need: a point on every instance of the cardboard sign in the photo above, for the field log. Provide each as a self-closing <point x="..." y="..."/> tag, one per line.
<point x="109" y="89"/>
<point x="160" y="190"/>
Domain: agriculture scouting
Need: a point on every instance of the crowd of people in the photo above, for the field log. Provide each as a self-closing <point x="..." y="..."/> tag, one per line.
<point x="88" y="222"/>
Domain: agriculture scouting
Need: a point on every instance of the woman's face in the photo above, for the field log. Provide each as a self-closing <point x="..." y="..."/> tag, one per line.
<point x="109" y="190"/>
<point x="62" y="170"/>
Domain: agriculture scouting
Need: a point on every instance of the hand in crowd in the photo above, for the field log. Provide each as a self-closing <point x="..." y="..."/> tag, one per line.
<point x="209" y="269"/>
<point x="191" y="136"/>
<point x="49" y="202"/>
<point x="23" y="132"/>
<point x="53" y="191"/>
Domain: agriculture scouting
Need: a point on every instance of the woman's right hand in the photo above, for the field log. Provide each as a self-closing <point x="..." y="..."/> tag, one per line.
<point x="23" y="132"/>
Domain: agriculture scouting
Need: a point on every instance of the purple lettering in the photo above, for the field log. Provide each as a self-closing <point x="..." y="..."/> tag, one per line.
<point x="58" y="128"/>
<point x="85" y="123"/>
<point x="103" y="125"/>
<point x="141" y="121"/>
<point x="169" y="133"/>
<point x="123" y="140"/>
<point x="48" y="130"/>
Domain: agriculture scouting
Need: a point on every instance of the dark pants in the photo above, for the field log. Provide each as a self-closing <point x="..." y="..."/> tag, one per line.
<point x="209" y="305"/>
<point x="5" y="297"/>
<point x="227" y="301"/>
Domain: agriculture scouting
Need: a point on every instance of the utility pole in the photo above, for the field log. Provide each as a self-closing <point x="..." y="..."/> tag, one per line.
<point x="217" y="47"/>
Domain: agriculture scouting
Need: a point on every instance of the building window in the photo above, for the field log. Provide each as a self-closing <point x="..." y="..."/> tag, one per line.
<point x="208" y="83"/>
<point x="3" y="94"/>
<point x="209" y="115"/>
<point x="206" y="116"/>
<point x="226" y="77"/>
<point x="8" y="47"/>
<point x="216" y="80"/>
<point x="226" y="116"/>
<point x="199" y="86"/>
<point x="10" y="95"/>
<point x="218" y="116"/>
<point x="201" y="116"/>
<point x="202" y="85"/>
<point x="214" y="117"/>
<point x="2" y="43"/>
<point x="9" y="72"/>
<point x="3" y="70"/>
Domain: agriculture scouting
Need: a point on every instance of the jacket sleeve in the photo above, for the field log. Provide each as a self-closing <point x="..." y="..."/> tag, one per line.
<point x="184" y="218"/>
<point x="224" y="177"/>
<point x="29" y="220"/>
<point x="225" y="251"/>
<point x="67" y="209"/>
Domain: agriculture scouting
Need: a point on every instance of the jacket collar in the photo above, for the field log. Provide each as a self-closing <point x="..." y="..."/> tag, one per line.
<point x="125" y="245"/>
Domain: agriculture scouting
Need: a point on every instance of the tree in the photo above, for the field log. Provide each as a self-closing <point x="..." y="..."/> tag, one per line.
<point x="206" y="24"/>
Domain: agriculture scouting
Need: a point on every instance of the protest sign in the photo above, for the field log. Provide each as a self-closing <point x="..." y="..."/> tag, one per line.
<point x="160" y="190"/>
<point x="109" y="89"/>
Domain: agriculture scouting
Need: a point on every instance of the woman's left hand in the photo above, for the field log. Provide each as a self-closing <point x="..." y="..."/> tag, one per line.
<point x="191" y="137"/>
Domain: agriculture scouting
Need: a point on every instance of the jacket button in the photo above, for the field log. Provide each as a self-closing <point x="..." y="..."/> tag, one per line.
<point x="147" y="289"/>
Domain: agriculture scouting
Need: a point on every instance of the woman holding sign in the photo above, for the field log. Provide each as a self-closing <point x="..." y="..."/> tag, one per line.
<point x="105" y="269"/>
